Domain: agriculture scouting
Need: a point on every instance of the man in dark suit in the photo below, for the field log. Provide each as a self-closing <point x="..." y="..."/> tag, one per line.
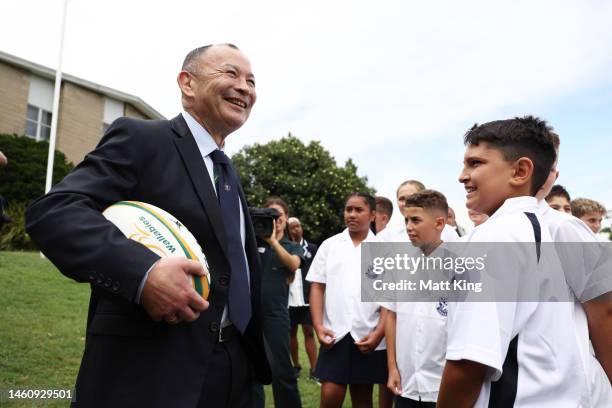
<point x="151" y="339"/>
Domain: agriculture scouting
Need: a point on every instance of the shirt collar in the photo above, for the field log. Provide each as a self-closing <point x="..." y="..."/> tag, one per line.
<point x="523" y="203"/>
<point x="346" y="236"/>
<point x="204" y="140"/>
<point x="543" y="206"/>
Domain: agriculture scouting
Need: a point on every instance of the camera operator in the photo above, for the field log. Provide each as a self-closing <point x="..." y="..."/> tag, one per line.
<point x="280" y="259"/>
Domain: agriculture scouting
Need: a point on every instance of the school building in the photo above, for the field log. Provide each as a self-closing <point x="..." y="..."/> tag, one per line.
<point x="86" y="109"/>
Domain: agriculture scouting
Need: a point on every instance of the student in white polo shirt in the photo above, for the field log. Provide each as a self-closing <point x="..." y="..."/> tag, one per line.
<point x="350" y="331"/>
<point x="576" y="241"/>
<point x="513" y="353"/>
<point x="416" y="331"/>
<point x="399" y="234"/>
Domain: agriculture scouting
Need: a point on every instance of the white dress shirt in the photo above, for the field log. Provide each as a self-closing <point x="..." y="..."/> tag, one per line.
<point x="207" y="145"/>
<point x="337" y="264"/>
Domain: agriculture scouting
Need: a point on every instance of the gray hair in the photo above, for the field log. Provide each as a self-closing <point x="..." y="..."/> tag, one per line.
<point x="293" y="220"/>
<point x="192" y="60"/>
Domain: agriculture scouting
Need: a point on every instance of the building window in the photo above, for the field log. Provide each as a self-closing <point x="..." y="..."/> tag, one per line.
<point x="113" y="109"/>
<point x="38" y="123"/>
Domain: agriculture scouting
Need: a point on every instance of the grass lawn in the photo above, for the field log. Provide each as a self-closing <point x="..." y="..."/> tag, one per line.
<point x="42" y="329"/>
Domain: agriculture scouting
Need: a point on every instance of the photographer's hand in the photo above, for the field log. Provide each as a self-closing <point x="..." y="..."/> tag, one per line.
<point x="292" y="262"/>
<point x="272" y="238"/>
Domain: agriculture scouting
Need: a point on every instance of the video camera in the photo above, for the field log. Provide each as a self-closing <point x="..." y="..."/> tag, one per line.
<point x="262" y="219"/>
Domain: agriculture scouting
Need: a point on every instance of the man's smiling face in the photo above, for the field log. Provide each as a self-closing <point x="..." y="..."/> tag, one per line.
<point x="223" y="90"/>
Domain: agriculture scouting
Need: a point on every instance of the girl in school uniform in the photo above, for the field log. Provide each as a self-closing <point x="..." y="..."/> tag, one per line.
<point x="350" y="331"/>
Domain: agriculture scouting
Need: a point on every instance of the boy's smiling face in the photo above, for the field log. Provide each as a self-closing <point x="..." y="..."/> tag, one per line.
<point x="487" y="178"/>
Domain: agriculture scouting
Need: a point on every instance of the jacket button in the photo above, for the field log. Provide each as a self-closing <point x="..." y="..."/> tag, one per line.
<point x="99" y="280"/>
<point x="213" y="327"/>
<point x="116" y="287"/>
<point x="224" y="281"/>
<point x="108" y="283"/>
<point x="92" y="277"/>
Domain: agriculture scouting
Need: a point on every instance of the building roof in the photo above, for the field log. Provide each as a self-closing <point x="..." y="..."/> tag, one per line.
<point x="49" y="73"/>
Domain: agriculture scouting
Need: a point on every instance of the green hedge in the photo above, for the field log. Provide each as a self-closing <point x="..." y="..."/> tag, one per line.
<point x="22" y="181"/>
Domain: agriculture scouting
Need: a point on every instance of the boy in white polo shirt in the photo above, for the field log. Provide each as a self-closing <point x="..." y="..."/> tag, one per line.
<point x="576" y="243"/>
<point x="416" y="331"/>
<point x="514" y="353"/>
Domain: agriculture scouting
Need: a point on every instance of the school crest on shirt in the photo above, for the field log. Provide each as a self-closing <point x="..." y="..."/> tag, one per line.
<point x="370" y="272"/>
<point x="442" y="307"/>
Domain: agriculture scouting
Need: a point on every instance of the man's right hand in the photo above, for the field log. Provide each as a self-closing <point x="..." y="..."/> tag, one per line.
<point x="168" y="293"/>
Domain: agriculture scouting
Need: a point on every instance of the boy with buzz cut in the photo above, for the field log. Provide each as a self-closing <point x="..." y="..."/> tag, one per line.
<point x="512" y="353"/>
<point x="414" y="377"/>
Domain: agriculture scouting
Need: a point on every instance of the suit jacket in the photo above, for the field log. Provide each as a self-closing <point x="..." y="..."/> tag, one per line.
<point x="129" y="359"/>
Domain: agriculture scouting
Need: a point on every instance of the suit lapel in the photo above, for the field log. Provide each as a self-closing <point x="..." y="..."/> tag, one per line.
<point x="194" y="163"/>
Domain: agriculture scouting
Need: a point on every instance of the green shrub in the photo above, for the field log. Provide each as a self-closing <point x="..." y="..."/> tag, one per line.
<point x="13" y="235"/>
<point x="23" y="179"/>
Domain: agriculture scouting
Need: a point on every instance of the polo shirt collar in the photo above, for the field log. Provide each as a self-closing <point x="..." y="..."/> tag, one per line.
<point x="523" y="203"/>
<point x="347" y="237"/>
<point x="543" y="206"/>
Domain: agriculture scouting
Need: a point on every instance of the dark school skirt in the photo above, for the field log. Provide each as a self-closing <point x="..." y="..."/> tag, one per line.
<point x="345" y="364"/>
<point x="300" y="315"/>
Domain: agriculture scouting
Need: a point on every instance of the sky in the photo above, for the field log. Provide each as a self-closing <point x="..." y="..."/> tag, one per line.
<point x="393" y="85"/>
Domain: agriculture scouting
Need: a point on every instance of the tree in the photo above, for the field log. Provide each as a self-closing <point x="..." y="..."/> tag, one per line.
<point x="608" y="231"/>
<point x="305" y="176"/>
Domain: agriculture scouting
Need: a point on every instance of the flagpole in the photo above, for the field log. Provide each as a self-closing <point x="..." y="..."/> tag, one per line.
<point x="55" y="113"/>
<point x="56" y="98"/>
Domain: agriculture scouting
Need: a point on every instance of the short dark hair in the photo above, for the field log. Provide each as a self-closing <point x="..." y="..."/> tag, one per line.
<point x="528" y="136"/>
<point x="384" y="205"/>
<point x="368" y="198"/>
<point x="278" y="201"/>
<point x="428" y="200"/>
<point x="191" y="60"/>
<point x="556" y="140"/>
<point x="558" y="190"/>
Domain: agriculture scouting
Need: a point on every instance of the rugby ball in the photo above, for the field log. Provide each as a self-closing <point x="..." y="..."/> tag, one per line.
<point x="161" y="232"/>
